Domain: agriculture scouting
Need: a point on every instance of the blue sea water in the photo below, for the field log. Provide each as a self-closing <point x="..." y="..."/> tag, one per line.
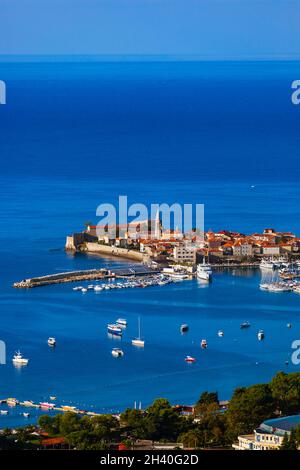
<point x="76" y="134"/>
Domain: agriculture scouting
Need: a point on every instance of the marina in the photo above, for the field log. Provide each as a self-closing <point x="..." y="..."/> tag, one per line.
<point x="131" y="282"/>
<point x="84" y="275"/>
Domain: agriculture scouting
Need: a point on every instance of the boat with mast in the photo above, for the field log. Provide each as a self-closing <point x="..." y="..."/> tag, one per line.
<point x="138" y="341"/>
<point x="19" y="360"/>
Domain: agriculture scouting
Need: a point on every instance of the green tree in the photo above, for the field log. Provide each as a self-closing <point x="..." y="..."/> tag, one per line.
<point x="247" y="408"/>
<point x="49" y="424"/>
<point x="190" y="438"/>
<point x="286" y="392"/>
<point x="206" y="398"/>
<point x="135" y="422"/>
<point x="79" y="439"/>
<point x="207" y="402"/>
<point x="289" y="442"/>
<point x="162" y="421"/>
<point x="69" y="422"/>
<point x="105" y="427"/>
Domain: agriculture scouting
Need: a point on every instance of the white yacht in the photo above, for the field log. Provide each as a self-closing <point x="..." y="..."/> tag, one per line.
<point x="51" y="341"/>
<point x="138" y="341"/>
<point x="116" y="352"/>
<point x="19" y="360"/>
<point x="261" y="335"/>
<point x="267" y="264"/>
<point x="204" y="271"/>
<point x="98" y="288"/>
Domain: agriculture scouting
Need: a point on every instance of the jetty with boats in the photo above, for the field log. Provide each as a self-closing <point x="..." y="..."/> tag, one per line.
<point x="46" y="406"/>
<point x="84" y="275"/>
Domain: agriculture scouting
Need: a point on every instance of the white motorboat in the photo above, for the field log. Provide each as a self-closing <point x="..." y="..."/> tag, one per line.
<point x="190" y="359"/>
<point x="204" y="271"/>
<point x="116" y="352"/>
<point x="98" y="288"/>
<point x="12" y="402"/>
<point x="261" y="335"/>
<point x="267" y="264"/>
<point x="204" y="344"/>
<point x="138" y="341"/>
<point x="184" y="328"/>
<point x="51" y="341"/>
<point x="19" y="360"/>
<point x="220" y="333"/>
<point x="121" y="322"/>
<point x="178" y="276"/>
<point x="3" y="412"/>
<point x="114" y="330"/>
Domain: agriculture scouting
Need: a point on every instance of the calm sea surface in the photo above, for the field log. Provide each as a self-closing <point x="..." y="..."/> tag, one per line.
<point x="76" y="135"/>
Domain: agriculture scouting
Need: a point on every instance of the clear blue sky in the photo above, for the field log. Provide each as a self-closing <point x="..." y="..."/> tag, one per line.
<point x="211" y="28"/>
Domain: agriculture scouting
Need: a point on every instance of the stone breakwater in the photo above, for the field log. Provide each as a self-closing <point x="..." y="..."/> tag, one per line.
<point x="70" y="276"/>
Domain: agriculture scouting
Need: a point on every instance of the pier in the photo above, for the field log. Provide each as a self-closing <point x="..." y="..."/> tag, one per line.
<point x="12" y="402"/>
<point x="70" y="276"/>
<point x="84" y="275"/>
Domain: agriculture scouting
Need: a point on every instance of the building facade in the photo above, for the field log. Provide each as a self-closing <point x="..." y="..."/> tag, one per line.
<point x="269" y="435"/>
<point x="184" y="254"/>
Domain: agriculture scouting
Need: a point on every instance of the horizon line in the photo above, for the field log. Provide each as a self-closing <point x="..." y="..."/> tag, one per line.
<point x="149" y="57"/>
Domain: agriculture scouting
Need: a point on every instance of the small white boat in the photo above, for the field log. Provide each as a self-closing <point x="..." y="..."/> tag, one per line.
<point x="12" y="401"/>
<point x="190" y="359"/>
<point x="51" y="341"/>
<point x="220" y="333"/>
<point x="121" y="322"/>
<point x="3" y="412"/>
<point x="26" y="415"/>
<point x="52" y="398"/>
<point x="114" y="330"/>
<point x="77" y="288"/>
<point x="19" y="360"/>
<point x="184" y="328"/>
<point x="98" y="288"/>
<point x="204" y="344"/>
<point x="261" y="335"/>
<point x="267" y="264"/>
<point x="289" y="325"/>
<point x="45" y="404"/>
<point x="83" y="289"/>
<point x="178" y="276"/>
<point x="116" y="352"/>
<point x="244" y="325"/>
<point x="138" y="341"/>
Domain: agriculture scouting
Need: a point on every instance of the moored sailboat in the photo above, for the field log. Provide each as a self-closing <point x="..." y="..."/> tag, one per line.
<point x="138" y="341"/>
